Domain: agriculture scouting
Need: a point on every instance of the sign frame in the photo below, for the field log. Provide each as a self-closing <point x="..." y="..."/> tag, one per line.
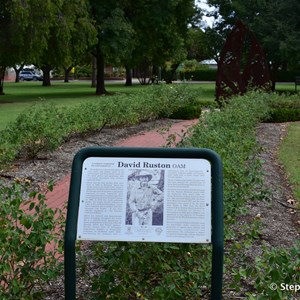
<point x="217" y="227"/>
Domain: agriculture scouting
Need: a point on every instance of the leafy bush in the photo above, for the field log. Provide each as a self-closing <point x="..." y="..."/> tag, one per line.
<point x="284" y="101"/>
<point x="151" y="271"/>
<point x="83" y="71"/>
<point x="44" y="126"/>
<point x="41" y="128"/>
<point x="274" y="274"/>
<point x="179" y="271"/>
<point x="84" y="118"/>
<point x="7" y="150"/>
<point x="187" y="112"/>
<point x="27" y="227"/>
<point x="200" y="75"/>
<point x="231" y="133"/>
<point x="285" y="108"/>
<point x="279" y="115"/>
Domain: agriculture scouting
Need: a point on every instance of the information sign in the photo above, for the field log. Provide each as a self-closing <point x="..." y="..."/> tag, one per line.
<point x="145" y="195"/>
<point x="145" y="199"/>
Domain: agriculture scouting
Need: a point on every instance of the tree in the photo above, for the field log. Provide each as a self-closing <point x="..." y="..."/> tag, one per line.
<point x="115" y="37"/>
<point x="14" y="22"/>
<point x="41" y="32"/>
<point x="197" y="46"/>
<point x="83" y="36"/>
<point x="161" y="30"/>
<point x="24" y="31"/>
<point x="276" y="25"/>
<point x="71" y="32"/>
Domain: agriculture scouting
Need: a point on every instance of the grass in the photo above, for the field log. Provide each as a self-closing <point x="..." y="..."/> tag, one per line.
<point x="286" y="87"/>
<point x="20" y="96"/>
<point x="289" y="154"/>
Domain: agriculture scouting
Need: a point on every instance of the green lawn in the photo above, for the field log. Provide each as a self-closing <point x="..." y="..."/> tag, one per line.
<point x="289" y="154"/>
<point x="20" y="96"/>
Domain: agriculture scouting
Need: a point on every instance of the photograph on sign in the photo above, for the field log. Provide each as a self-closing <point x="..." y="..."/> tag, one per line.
<point x="145" y="199"/>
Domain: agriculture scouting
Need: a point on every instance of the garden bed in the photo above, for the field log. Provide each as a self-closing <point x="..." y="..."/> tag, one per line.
<point x="279" y="218"/>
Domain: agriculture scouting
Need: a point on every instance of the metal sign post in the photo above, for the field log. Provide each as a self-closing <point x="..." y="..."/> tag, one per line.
<point x="101" y="194"/>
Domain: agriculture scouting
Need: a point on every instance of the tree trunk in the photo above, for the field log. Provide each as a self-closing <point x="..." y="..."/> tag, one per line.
<point x="128" y="76"/>
<point x="155" y="74"/>
<point x="94" y="71"/>
<point x="169" y="75"/>
<point x="67" y="73"/>
<point x="17" y="71"/>
<point x="273" y="75"/>
<point x="46" y="75"/>
<point x="100" y="86"/>
<point x="2" y="73"/>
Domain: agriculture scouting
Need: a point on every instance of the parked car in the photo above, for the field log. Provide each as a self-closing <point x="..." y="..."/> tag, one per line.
<point x="29" y="75"/>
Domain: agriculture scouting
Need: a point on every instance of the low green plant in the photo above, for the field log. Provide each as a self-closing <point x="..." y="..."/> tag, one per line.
<point x="284" y="101"/>
<point x="44" y="127"/>
<point x="39" y="129"/>
<point x="151" y="271"/>
<point x="274" y="275"/>
<point x="231" y="133"/>
<point x="7" y="151"/>
<point x="187" y="112"/>
<point x="284" y="108"/>
<point x="178" y="271"/>
<point x="280" y="115"/>
<point x="28" y="227"/>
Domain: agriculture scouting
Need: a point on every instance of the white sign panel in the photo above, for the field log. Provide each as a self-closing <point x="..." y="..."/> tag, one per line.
<point x="145" y="199"/>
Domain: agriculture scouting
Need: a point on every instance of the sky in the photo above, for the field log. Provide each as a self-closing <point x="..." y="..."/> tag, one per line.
<point x="207" y="21"/>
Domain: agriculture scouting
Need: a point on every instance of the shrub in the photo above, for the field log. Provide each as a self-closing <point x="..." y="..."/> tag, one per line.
<point x="285" y="108"/>
<point x="231" y="133"/>
<point x="27" y="227"/>
<point x="39" y="129"/>
<point x="7" y="150"/>
<point x="151" y="271"/>
<point x="274" y="275"/>
<point x="84" y="118"/>
<point x="44" y="126"/>
<point x="200" y="75"/>
<point x="187" y="112"/>
<point x="279" y="115"/>
<point x="284" y="101"/>
<point x="179" y="271"/>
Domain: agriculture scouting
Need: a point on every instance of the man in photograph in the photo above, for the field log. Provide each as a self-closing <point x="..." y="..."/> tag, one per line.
<point x="144" y="200"/>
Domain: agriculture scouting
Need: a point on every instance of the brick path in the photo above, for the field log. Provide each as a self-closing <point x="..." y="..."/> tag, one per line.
<point x="59" y="196"/>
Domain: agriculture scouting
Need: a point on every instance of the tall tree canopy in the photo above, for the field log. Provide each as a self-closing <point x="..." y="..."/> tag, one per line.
<point x="276" y="25"/>
<point x="115" y="36"/>
<point x="21" y="32"/>
<point x="71" y="33"/>
<point x="55" y="33"/>
<point x="161" y="31"/>
<point x="45" y="33"/>
<point x="140" y="33"/>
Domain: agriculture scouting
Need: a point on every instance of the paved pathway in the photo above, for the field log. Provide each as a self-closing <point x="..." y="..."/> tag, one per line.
<point x="59" y="196"/>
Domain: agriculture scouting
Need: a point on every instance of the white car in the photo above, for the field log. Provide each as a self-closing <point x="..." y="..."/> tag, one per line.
<point x="29" y="76"/>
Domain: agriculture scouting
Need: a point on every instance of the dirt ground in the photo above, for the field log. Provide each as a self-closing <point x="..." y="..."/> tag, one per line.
<point x="279" y="217"/>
